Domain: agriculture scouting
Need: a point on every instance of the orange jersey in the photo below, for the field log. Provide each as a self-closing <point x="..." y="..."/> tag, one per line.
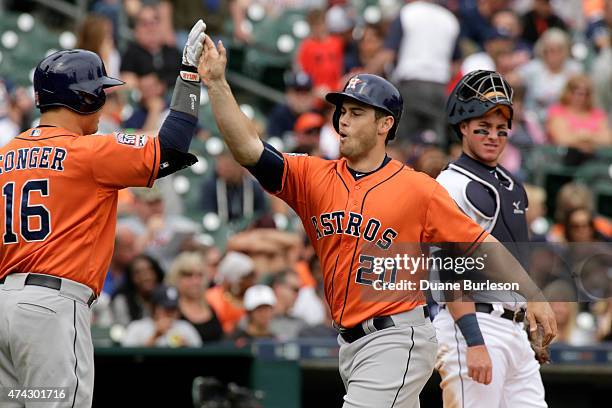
<point x="59" y="199"/>
<point x="393" y="205"/>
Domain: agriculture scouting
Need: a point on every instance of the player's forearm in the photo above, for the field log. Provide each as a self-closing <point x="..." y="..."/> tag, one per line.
<point x="179" y="127"/>
<point x="464" y="315"/>
<point x="459" y="309"/>
<point x="237" y="129"/>
<point x="503" y="267"/>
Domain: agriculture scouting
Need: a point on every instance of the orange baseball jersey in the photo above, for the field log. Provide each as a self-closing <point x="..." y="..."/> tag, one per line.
<point x="392" y="205"/>
<point x="59" y="199"/>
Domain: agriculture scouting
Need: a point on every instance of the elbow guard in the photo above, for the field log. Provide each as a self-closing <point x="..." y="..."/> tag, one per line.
<point x="173" y="160"/>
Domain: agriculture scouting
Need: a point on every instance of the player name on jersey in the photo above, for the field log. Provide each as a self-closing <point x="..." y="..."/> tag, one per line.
<point x="46" y="157"/>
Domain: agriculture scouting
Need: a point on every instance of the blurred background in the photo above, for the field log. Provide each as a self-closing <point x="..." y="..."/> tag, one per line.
<point x="224" y="271"/>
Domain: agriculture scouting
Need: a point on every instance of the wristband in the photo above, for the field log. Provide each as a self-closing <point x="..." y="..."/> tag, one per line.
<point x="468" y="324"/>
<point x="186" y="97"/>
<point x="189" y="73"/>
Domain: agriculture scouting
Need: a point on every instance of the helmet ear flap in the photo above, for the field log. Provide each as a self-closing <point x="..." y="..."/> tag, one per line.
<point x="336" y="118"/>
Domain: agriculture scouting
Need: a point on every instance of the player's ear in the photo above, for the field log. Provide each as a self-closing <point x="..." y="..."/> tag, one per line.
<point x="385" y="124"/>
<point x="463" y="127"/>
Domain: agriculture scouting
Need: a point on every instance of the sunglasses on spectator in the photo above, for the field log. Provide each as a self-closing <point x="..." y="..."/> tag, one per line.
<point x="148" y="21"/>
<point x="581" y="91"/>
<point x="189" y="274"/>
<point x="580" y="225"/>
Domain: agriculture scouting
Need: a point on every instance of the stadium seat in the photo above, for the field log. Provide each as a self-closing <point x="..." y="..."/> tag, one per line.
<point x="602" y="191"/>
<point x="592" y="172"/>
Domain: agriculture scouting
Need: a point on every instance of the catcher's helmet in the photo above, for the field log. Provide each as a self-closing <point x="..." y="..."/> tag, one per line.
<point x="476" y="94"/>
<point x="75" y="79"/>
<point x="371" y="90"/>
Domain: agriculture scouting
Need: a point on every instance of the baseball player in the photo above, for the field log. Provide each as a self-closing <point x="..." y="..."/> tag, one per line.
<point x="387" y="347"/>
<point x="474" y="336"/>
<point x="59" y="189"/>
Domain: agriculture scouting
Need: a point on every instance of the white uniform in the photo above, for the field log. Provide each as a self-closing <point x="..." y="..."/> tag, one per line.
<point x="516" y="378"/>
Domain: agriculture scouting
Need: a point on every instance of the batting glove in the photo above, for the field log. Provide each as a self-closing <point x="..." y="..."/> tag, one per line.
<point x="192" y="52"/>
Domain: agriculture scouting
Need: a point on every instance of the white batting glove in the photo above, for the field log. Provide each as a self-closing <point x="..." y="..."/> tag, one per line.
<point x="193" y="51"/>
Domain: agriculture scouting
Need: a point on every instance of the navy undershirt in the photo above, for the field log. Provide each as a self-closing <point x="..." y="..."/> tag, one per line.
<point x="359" y="175"/>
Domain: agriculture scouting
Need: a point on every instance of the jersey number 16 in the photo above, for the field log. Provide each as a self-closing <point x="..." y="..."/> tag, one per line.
<point x="26" y="211"/>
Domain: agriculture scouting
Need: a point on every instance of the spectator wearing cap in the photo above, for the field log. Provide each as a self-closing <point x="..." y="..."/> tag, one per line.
<point x="189" y="276"/>
<point x="133" y="300"/>
<point x="235" y="274"/>
<point x="545" y="76"/>
<point x="539" y="19"/>
<point x="164" y="329"/>
<point x="231" y="193"/>
<point x="149" y="53"/>
<point x="320" y="55"/>
<point x="259" y="302"/>
<point x="306" y="133"/>
<point x="423" y="40"/>
<point x="299" y="99"/>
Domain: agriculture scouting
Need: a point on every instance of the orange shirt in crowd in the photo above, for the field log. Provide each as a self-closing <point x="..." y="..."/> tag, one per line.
<point x="322" y="60"/>
<point x="228" y="311"/>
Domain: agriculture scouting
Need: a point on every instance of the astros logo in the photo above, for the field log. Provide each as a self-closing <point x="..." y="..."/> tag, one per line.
<point x="354" y="81"/>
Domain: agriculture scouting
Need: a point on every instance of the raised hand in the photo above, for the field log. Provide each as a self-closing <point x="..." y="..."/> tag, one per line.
<point x="212" y="62"/>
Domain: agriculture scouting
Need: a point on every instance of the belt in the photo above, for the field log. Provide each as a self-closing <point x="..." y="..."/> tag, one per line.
<point x="516" y="316"/>
<point x="379" y="323"/>
<point x="48" y="281"/>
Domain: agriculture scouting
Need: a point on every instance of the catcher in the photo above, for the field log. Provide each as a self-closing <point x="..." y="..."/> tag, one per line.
<point x="485" y="358"/>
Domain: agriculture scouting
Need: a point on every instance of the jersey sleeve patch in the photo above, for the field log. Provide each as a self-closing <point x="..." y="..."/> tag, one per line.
<point x="136" y="141"/>
<point x="481" y="198"/>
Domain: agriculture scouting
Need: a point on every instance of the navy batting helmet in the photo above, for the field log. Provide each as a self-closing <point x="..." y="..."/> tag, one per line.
<point x="371" y="90"/>
<point x="75" y="79"/>
<point x="476" y="94"/>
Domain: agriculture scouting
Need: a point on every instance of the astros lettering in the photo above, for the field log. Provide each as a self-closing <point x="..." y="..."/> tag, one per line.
<point x="333" y="223"/>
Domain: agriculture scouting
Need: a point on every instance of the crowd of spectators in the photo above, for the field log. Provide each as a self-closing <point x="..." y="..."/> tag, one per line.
<point x="168" y="285"/>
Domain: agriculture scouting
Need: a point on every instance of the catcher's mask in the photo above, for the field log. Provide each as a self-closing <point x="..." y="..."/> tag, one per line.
<point x="476" y="94"/>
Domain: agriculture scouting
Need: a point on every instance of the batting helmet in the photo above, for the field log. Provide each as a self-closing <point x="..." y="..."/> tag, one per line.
<point x="371" y="90"/>
<point x="75" y="79"/>
<point x="476" y="94"/>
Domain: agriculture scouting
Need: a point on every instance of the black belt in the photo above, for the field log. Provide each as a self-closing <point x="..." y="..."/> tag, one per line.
<point x="48" y="281"/>
<point x="516" y="316"/>
<point x="380" y="323"/>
